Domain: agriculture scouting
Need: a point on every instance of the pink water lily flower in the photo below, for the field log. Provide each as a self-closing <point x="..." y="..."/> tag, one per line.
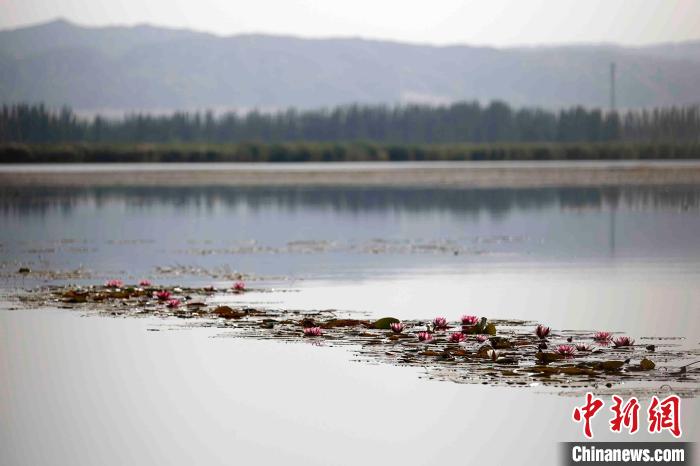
<point x="541" y="331"/>
<point x="482" y="338"/>
<point x="145" y="282"/>
<point x="623" y="341"/>
<point x="424" y="336"/>
<point x="457" y="337"/>
<point x="583" y="347"/>
<point x="114" y="283"/>
<point x="470" y="320"/>
<point x="313" y="331"/>
<point x="162" y="295"/>
<point x="173" y="303"/>
<point x="440" y="323"/>
<point x="397" y="327"/>
<point x="602" y="337"/>
<point x="566" y="350"/>
<point x="238" y="286"/>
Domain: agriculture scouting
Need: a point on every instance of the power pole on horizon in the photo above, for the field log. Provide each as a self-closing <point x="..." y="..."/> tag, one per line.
<point x="612" y="86"/>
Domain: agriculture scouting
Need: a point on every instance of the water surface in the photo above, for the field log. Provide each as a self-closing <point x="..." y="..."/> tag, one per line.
<point x="623" y="258"/>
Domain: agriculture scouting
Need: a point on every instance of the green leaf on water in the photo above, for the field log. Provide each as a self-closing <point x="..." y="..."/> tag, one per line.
<point x="611" y="365"/>
<point x="228" y="313"/>
<point x="500" y="342"/>
<point x="385" y="323"/>
<point x="73" y="296"/>
<point x="647" y="364"/>
<point x="546" y="358"/>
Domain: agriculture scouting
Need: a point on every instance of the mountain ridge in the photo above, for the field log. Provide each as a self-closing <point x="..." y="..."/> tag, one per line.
<point x="63" y="22"/>
<point x="145" y="67"/>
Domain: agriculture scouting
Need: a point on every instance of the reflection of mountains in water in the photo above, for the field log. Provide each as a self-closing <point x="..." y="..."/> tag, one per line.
<point x="495" y="202"/>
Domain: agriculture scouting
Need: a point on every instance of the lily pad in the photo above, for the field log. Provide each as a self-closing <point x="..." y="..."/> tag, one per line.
<point x="335" y="323"/>
<point x="567" y="370"/>
<point x="500" y="342"/>
<point x="647" y="364"/>
<point x="385" y="323"/>
<point x="228" y="313"/>
<point x="546" y="358"/>
<point x="73" y="296"/>
<point x="611" y="365"/>
<point x="484" y="352"/>
<point x="506" y="361"/>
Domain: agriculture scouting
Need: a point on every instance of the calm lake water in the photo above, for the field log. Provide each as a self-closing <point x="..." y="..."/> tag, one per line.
<point x="312" y="232"/>
<point x="533" y="253"/>
<point x="619" y="258"/>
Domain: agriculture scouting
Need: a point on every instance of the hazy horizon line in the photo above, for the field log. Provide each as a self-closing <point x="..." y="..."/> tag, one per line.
<point x="136" y="25"/>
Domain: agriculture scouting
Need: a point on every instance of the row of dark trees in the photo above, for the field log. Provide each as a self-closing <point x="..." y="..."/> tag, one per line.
<point x="412" y="124"/>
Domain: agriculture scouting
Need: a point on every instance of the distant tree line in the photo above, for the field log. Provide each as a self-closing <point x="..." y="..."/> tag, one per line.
<point x="466" y="122"/>
<point x="341" y="152"/>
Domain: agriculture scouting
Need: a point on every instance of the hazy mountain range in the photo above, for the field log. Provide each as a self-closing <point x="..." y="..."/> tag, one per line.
<point x="151" y="68"/>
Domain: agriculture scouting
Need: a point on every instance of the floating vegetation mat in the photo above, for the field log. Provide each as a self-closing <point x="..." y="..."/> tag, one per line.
<point x="472" y="349"/>
<point x="479" y="245"/>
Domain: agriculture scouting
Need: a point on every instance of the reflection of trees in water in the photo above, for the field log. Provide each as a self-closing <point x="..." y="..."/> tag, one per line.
<point x="469" y="202"/>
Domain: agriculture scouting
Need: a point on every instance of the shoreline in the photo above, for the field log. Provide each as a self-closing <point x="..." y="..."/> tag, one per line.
<point x="443" y="174"/>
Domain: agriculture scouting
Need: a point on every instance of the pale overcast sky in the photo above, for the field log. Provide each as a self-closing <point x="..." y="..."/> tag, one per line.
<point x="492" y="22"/>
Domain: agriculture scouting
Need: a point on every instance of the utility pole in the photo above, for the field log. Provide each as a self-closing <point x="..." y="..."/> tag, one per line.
<point x="612" y="87"/>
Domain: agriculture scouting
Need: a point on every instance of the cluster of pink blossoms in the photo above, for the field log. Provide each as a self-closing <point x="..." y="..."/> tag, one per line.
<point x="601" y="337"/>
